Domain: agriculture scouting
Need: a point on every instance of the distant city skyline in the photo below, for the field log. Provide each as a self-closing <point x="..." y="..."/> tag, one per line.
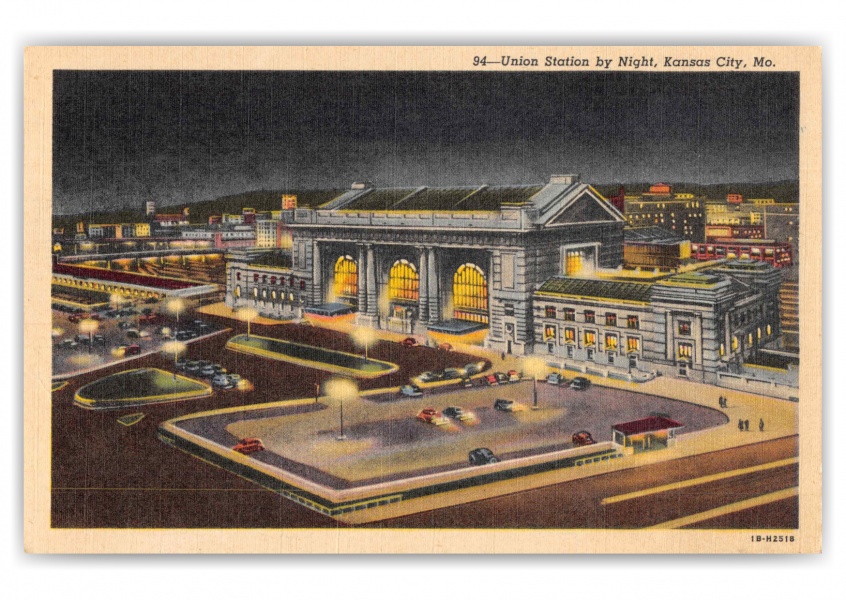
<point x="122" y="137"/>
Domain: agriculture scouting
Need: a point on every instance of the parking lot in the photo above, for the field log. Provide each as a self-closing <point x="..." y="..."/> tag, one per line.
<point x="86" y="340"/>
<point x="383" y="440"/>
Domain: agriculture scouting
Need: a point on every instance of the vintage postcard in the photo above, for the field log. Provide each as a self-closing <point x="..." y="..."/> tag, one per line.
<point x="423" y="299"/>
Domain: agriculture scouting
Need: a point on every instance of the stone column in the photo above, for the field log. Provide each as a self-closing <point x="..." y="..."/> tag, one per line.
<point x="361" y="281"/>
<point x="434" y="291"/>
<point x="317" y="275"/>
<point x="423" y="290"/>
<point x="372" y="292"/>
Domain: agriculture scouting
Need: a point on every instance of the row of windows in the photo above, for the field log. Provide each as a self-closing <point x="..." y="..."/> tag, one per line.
<point x="550" y="333"/>
<point x="273" y="295"/>
<point x="569" y="314"/>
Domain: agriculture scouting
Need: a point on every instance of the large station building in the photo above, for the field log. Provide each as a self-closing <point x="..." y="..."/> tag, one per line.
<point x="517" y="268"/>
<point x="444" y="261"/>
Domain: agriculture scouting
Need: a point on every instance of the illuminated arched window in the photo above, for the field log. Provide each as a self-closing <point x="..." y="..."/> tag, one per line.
<point x="346" y="278"/>
<point x="403" y="282"/>
<point x="470" y="294"/>
<point x="237" y="291"/>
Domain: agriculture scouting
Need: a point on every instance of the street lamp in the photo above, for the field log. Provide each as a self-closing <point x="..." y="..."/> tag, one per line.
<point x="534" y="366"/>
<point x="247" y="314"/>
<point x="88" y="326"/>
<point x="176" y="348"/>
<point x="175" y="306"/>
<point x="341" y="389"/>
<point x="364" y="336"/>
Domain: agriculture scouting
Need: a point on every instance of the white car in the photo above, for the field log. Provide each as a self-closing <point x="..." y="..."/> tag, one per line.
<point x="222" y="381"/>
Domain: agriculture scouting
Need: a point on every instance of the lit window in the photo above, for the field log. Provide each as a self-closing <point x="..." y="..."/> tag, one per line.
<point x="590" y="316"/>
<point x="470" y="294"/>
<point x="550" y="312"/>
<point x="346" y="278"/>
<point x="403" y="282"/>
<point x="569" y="314"/>
<point x="734" y="343"/>
<point x="611" y="319"/>
<point x="610" y="342"/>
<point x="549" y="333"/>
<point x="632" y="344"/>
<point x="570" y="335"/>
<point x="632" y="322"/>
<point x="685" y="350"/>
<point x="590" y="338"/>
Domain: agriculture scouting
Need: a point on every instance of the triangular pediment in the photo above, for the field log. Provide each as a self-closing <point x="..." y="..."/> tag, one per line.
<point x="583" y="209"/>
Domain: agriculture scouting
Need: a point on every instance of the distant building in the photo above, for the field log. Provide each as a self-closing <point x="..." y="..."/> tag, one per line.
<point x="150" y="209"/>
<point x="273" y="234"/>
<point x="745" y="232"/>
<point x="681" y="213"/>
<point x="771" y="252"/>
<point x="237" y="236"/>
<point x="654" y="248"/>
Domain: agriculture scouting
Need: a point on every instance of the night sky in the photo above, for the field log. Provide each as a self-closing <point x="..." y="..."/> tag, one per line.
<point x="122" y="137"/>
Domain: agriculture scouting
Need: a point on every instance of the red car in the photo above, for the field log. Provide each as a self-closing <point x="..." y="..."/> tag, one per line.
<point x="132" y="350"/>
<point x="490" y="379"/>
<point x="77" y="318"/>
<point x="431" y="416"/>
<point x="249" y="446"/>
<point x="409" y="341"/>
<point x="583" y="438"/>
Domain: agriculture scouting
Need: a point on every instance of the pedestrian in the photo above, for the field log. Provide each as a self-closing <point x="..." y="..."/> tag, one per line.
<point x="740" y="424"/>
<point x="502" y="356"/>
<point x="761" y="425"/>
<point x="746" y="424"/>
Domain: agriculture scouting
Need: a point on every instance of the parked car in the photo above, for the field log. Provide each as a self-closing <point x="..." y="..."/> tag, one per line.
<point x="192" y="366"/>
<point x="133" y="333"/>
<point x="444" y="346"/>
<point x="98" y="339"/>
<point x="482" y="456"/>
<point x="474" y="368"/>
<point x="431" y="417"/>
<point x="507" y="405"/>
<point x="69" y="344"/>
<point x="514" y="376"/>
<point x="583" y="438"/>
<point x="457" y="413"/>
<point x="409" y="341"/>
<point x="222" y="381"/>
<point x="249" y="446"/>
<point x="76" y="318"/>
<point x="428" y="377"/>
<point x="410" y="390"/>
<point x="234" y="378"/>
<point x="132" y="350"/>
<point x="501" y="378"/>
<point x="490" y="379"/>
<point x="580" y="383"/>
<point x="453" y="374"/>
<point x="181" y="364"/>
<point x="207" y="372"/>
<point x="555" y="378"/>
<point x="466" y="382"/>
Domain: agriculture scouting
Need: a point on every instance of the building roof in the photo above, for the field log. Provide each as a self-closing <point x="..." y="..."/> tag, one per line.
<point x="122" y="277"/>
<point x="654" y="423"/>
<point x="652" y="235"/>
<point x="596" y="288"/>
<point x="463" y="198"/>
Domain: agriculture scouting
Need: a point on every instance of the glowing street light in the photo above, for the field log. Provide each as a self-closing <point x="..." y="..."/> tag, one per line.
<point x="88" y="326"/>
<point x="340" y="390"/>
<point x="534" y="366"/>
<point x="364" y="337"/>
<point x="176" y="348"/>
<point x="247" y="314"/>
<point x="175" y="306"/>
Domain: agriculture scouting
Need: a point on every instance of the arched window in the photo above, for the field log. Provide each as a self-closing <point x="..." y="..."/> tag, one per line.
<point x="237" y="291"/>
<point x="470" y="294"/>
<point x="403" y="282"/>
<point x="346" y="278"/>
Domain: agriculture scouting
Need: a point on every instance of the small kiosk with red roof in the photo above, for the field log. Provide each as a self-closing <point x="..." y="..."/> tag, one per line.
<point x="652" y="433"/>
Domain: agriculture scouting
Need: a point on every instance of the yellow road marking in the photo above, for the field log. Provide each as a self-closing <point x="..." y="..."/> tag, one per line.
<point x="727" y="509"/>
<point x="699" y="480"/>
